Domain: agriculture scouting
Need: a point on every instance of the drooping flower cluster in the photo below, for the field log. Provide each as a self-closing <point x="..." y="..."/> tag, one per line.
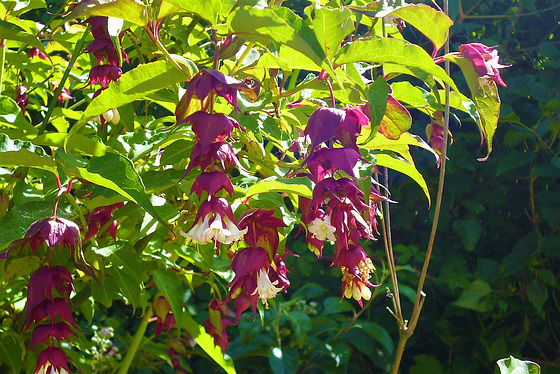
<point x="100" y="217"/>
<point x="103" y="48"/>
<point x="215" y="157"/>
<point x="162" y="311"/>
<point x="259" y="272"/>
<point x="52" y="316"/>
<point x="337" y="212"/>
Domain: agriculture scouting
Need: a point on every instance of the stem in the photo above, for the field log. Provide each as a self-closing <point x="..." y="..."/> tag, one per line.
<point x="75" y="53"/>
<point x="2" y="61"/>
<point x="407" y="331"/>
<point x="136" y="342"/>
<point x="292" y="91"/>
<point x="166" y="53"/>
<point x="244" y="54"/>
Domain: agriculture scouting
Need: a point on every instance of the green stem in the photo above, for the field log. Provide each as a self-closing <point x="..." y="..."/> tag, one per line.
<point x="136" y="342"/>
<point x="292" y="91"/>
<point x="244" y="54"/>
<point x="166" y="53"/>
<point x="407" y="330"/>
<point x="75" y="53"/>
<point x="2" y="61"/>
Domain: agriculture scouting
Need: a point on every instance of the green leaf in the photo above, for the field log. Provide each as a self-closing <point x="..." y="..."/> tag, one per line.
<point x="208" y="9"/>
<point x="406" y="168"/>
<point x="469" y="231"/>
<point x="301" y="324"/>
<point x="400" y="146"/>
<point x="104" y="291"/>
<point x="11" y="351"/>
<point x="133" y="85"/>
<point x="283" y="360"/>
<point x="512" y="365"/>
<point x="278" y="25"/>
<point x="23" y="153"/>
<point x="475" y="297"/>
<point x="271" y="185"/>
<point x="432" y="23"/>
<point x="394" y="51"/>
<point x="171" y="286"/>
<point x="78" y="143"/>
<point x="331" y="26"/>
<point x="128" y="10"/>
<point x="13" y="32"/>
<point x="488" y="105"/>
<point x="11" y="115"/>
<point x="206" y="342"/>
<point x="396" y="120"/>
<point x="379" y="334"/>
<point x="377" y="95"/>
<point x="537" y="294"/>
<point x="114" y="172"/>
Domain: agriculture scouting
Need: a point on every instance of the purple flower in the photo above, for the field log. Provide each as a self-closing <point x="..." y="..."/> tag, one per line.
<point x="99" y="218"/>
<point x="211" y="128"/>
<point x="162" y="311"/>
<point x="213" y="81"/>
<point x="218" y="155"/>
<point x="104" y="49"/>
<point x="326" y="161"/>
<point x="485" y="62"/>
<point x="326" y="123"/>
<point x="34" y="51"/>
<point x="212" y="183"/>
<point x="262" y="229"/>
<point x="45" y="333"/>
<point x="21" y="98"/>
<point x="64" y="95"/>
<point x="43" y="281"/>
<point x="52" y="360"/>
<point x="52" y="309"/>
<point x="356" y="270"/>
<point x="218" y="331"/>
<point x="104" y="74"/>
<point x="215" y="222"/>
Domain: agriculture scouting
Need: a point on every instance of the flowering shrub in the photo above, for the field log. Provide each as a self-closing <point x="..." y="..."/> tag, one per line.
<point x="220" y="132"/>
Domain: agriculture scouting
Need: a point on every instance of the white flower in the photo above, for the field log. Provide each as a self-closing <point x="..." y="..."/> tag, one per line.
<point x="322" y="229"/>
<point x="112" y="115"/>
<point x="265" y="287"/>
<point x="200" y="231"/>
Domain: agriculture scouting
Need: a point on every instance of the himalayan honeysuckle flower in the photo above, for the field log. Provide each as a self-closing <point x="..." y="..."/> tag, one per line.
<point x="162" y="311"/>
<point x="485" y="62"/>
<point x="322" y="229"/>
<point x="219" y="333"/>
<point x="215" y="221"/>
<point x="52" y="309"/>
<point x="52" y="360"/>
<point x="326" y="161"/>
<point x="47" y="332"/>
<point x="213" y="81"/>
<point x="212" y="183"/>
<point x="43" y="281"/>
<point x="99" y="217"/>
<point x="356" y="270"/>
<point x="262" y="229"/>
<point x="34" y="51"/>
<point x="211" y="128"/>
<point x="344" y="124"/>
<point x="266" y="289"/>
<point x="21" y="98"/>
<point x="219" y="155"/>
<point x="104" y="74"/>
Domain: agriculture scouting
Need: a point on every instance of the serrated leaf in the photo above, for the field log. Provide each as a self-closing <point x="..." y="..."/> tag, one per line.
<point x="393" y="51"/>
<point x="206" y="342"/>
<point x="171" y="286"/>
<point x="406" y="168"/>
<point x="128" y="10"/>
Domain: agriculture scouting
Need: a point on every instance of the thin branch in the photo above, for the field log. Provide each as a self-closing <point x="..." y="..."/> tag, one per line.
<point x="489" y="16"/>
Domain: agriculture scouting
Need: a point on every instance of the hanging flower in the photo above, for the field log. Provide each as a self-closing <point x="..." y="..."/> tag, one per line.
<point x="485" y="61"/>
<point x="356" y="269"/>
<point x="104" y="74"/>
<point x="162" y="311"/>
<point x="52" y="360"/>
<point x="215" y="221"/>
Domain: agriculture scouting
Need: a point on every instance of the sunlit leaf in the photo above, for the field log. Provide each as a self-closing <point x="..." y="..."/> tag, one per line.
<point x="128" y="10"/>
<point x="209" y="10"/>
